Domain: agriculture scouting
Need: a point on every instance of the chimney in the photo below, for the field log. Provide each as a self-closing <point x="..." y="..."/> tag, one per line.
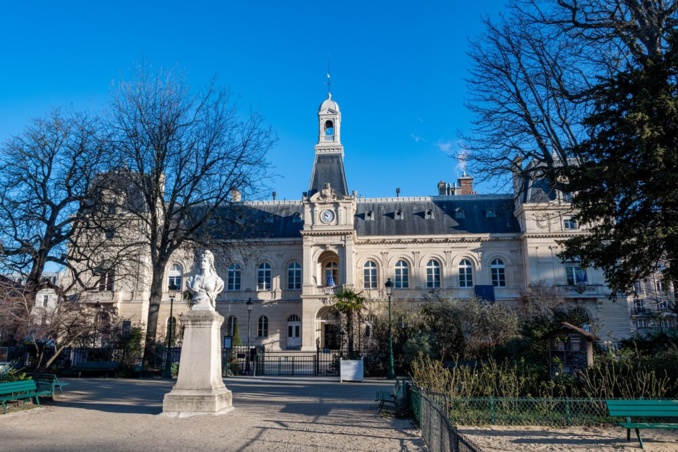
<point x="466" y="185"/>
<point x="398" y="192"/>
<point x="274" y="195"/>
<point x="442" y="188"/>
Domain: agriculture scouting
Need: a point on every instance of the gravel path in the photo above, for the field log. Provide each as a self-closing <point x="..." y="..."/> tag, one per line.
<point x="270" y="414"/>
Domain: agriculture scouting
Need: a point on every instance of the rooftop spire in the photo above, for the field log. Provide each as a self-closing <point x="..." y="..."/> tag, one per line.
<point x="329" y="79"/>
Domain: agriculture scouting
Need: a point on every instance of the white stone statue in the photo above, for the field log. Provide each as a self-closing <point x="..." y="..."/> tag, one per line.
<point x="206" y="285"/>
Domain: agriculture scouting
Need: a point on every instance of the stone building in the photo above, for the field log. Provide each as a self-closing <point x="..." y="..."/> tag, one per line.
<point x="458" y="242"/>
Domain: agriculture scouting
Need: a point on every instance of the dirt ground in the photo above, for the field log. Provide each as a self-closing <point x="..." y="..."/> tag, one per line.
<point x="270" y="414"/>
<point x="599" y="439"/>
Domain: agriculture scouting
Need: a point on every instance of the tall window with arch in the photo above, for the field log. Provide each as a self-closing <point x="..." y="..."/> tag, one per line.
<point x="498" y="273"/>
<point x="433" y="274"/>
<point x="331" y="274"/>
<point x="294" y="276"/>
<point x="370" y="275"/>
<point x="234" y="277"/>
<point x="174" y="277"/>
<point x="402" y="275"/>
<point x="262" y="326"/>
<point x="264" y="277"/>
<point x="465" y="273"/>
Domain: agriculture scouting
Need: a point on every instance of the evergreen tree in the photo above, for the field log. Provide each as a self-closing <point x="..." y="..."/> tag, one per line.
<point x="625" y="188"/>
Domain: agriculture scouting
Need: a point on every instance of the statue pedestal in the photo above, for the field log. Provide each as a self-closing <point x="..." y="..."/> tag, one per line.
<point x="199" y="388"/>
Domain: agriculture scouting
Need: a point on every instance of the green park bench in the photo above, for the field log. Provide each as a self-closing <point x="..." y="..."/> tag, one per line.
<point x="391" y="396"/>
<point x="20" y="390"/>
<point x="652" y="409"/>
<point x="51" y="382"/>
<point x="95" y="366"/>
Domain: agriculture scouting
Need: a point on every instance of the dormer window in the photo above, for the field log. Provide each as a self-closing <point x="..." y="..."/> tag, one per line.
<point x="369" y="216"/>
<point x="459" y="213"/>
<point x="399" y="215"/>
<point x="296" y="218"/>
<point x="428" y="214"/>
<point x="490" y="213"/>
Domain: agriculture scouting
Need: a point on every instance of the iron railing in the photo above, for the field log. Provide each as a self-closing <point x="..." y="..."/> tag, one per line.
<point x="436" y="429"/>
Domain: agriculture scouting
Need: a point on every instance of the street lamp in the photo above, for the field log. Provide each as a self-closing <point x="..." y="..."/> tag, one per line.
<point x="389" y="291"/>
<point x="247" y="356"/>
<point x="170" y="330"/>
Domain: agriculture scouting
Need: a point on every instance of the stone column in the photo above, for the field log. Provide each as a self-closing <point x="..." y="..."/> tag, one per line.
<point x="199" y="388"/>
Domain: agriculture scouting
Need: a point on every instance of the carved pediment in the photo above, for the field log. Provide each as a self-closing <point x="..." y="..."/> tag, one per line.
<point x="326" y="195"/>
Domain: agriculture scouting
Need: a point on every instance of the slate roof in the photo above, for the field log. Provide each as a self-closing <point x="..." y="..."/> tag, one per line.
<point x="424" y="216"/>
<point x="328" y="168"/>
<point x="437" y="215"/>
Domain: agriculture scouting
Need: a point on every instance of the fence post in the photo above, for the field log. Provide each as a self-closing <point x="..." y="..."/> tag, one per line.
<point x="568" y="415"/>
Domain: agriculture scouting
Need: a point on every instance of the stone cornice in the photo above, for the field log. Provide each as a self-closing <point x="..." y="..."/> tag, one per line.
<point x="435" y="240"/>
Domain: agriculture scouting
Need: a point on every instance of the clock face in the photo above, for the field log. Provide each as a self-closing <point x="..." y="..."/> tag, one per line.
<point x="326" y="216"/>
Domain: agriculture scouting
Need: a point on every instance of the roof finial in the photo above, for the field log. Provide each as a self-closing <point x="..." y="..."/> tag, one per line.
<point x="329" y="80"/>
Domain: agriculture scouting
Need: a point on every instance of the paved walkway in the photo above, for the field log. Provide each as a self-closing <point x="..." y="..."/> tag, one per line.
<point x="270" y="414"/>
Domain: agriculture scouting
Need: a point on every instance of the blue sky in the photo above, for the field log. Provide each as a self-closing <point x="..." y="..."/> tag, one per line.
<point x="398" y="70"/>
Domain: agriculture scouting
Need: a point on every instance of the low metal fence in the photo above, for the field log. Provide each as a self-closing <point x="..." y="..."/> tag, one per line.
<point x="436" y="429"/>
<point x="555" y="412"/>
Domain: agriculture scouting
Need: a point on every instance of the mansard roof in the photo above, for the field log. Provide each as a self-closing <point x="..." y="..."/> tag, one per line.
<point x="437" y="215"/>
<point x="259" y="220"/>
<point x="411" y="216"/>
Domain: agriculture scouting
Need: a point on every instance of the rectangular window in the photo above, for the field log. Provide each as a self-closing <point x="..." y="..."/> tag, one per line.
<point x="234" y="275"/>
<point x="106" y="281"/>
<point x="575" y="274"/>
<point x="45" y="301"/>
<point x="639" y="306"/>
<point x="570" y="223"/>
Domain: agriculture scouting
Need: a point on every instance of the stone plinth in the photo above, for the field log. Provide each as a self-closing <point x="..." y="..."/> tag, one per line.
<point x="199" y="388"/>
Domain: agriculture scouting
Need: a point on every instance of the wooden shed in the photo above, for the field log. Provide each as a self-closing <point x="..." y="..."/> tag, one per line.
<point x="570" y="349"/>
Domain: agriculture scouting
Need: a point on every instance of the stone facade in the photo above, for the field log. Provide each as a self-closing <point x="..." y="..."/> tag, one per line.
<point x="460" y="243"/>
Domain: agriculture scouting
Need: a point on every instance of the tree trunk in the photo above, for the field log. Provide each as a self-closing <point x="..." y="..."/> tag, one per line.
<point x="153" y="311"/>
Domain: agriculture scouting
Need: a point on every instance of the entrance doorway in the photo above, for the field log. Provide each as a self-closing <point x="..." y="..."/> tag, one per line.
<point x="293" y="332"/>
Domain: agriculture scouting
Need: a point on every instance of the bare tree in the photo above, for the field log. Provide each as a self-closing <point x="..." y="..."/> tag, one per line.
<point x="182" y="154"/>
<point x="533" y="71"/>
<point x="47" y="221"/>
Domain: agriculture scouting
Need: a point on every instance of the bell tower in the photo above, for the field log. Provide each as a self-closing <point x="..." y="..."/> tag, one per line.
<point x="328" y="166"/>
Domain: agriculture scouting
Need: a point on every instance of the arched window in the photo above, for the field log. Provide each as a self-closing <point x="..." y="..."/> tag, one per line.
<point x="498" y="272"/>
<point x="174" y="277"/>
<point x="264" y="277"/>
<point x="294" y="276"/>
<point x="465" y="273"/>
<point x="231" y="323"/>
<point x="234" y="276"/>
<point x="262" y="326"/>
<point x="402" y="275"/>
<point x="370" y="275"/>
<point x="433" y="274"/>
<point x="331" y="274"/>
